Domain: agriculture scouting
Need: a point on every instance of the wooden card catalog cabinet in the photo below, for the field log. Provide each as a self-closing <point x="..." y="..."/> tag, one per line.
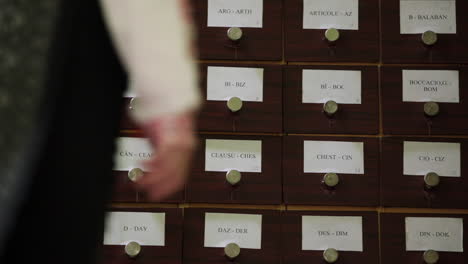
<point x="239" y="29"/>
<point x="331" y="99"/>
<point x="132" y="151"/>
<point x="424" y="172"/>
<point x="331" y="170"/>
<point x="330" y="237"/>
<point x="144" y="236"/>
<point x="241" y="98"/>
<point x="332" y="30"/>
<point x="236" y="169"/>
<point x="425" y="100"/>
<point x="423" y="238"/>
<point x="231" y="236"/>
<point x="424" y="31"/>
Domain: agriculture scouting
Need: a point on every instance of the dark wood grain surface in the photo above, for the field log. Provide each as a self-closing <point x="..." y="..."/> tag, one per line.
<point x="307" y="188"/>
<point x="350" y="118"/>
<point x="291" y="239"/>
<point x="400" y="190"/>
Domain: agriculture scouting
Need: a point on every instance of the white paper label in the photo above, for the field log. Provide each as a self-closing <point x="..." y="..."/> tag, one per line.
<point x="333" y="156"/>
<point x="148" y="229"/>
<point x="235" y="13"/>
<point x="226" y="82"/>
<point x="325" y="14"/>
<point x="131" y="153"/>
<point x="419" y="158"/>
<point x="440" y="234"/>
<point x="226" y="154"/>
<point x="418" y="16"/>
<point x="343" y="233"/>
<point x="320" y="86"/>
<point x="431" y="85"/>
<point x="243" y="229"/>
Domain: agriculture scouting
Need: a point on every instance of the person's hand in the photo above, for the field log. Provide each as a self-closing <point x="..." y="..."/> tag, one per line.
<point x="173" y="139"/>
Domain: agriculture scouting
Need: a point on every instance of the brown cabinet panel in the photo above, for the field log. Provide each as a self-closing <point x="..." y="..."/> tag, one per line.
<point x="254" y="188"/>
<point x="308" y="188"/>
<point x="256" y="43"/>
<point x="353" y="45"/>
<point x="409" y="190"/>
<point x="351" y="118"/>
<point x="263" y="116"/>
<point x="408" y="118"/>
<point x="127" y="122"/>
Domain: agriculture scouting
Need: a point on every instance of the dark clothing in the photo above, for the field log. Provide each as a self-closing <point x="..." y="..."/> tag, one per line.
<point x="61" y="220"/>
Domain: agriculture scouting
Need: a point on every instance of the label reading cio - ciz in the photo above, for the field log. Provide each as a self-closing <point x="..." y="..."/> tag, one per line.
<point x="418" y="16"/>
<point x="148" y="229"/>
<point x="227" y="154"/>
<point x="325" y="14"/>
<point x="226" y="82"/>
<point x="338" y="232"/>
<point x="320" y="86"/>
<point x="243" y="229"/>
<point x="333" y="156"/>
<point x="235" y="13"/>
<point x="431" y="85"/>
<point x="420" y="158"/>
<point x="436" y="233"/>
<point x="131" y="153"/>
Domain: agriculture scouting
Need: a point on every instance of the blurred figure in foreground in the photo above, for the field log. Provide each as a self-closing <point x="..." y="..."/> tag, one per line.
<point x="64" y="66"/>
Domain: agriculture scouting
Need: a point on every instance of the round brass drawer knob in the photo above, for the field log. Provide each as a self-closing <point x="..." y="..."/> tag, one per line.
<point x="332" y="34"/>
<point x="330" y="108"/>
<point x="234" y="33"/>
<point x="132" y="249"/>
<point x="234" y="104"/>
<point x="432" y="179"/>
<point x="429" y="38"/>
<point x="134" y="102"/>
<point x="135" y="174"/>
<point x="330" y="255"/>
<point x="232" y="250"/>
<point x="233" y="177"/>
<point x="431" y="108"/>
<point x="431" y="257"/>
<point x="331" y="179"/>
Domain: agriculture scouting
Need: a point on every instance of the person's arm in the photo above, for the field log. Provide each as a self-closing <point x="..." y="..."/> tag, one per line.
<point x="154" y="41"/>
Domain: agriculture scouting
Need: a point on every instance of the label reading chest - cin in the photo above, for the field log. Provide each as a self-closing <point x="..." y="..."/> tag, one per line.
<point x="431" y="85"/>
<point x="420" y="158"/>
<point x="333" y="156"/>
<point x="418" y="16"/>
<point x="228" y="154"/>
<point x="338" y="232"/>
<point x="226" y="82"/>
<point x="436" y="233"/>
<point x="325" y="14"/>
<point x="131" y="153"/>
<point x="235" y="13"/>
<point x="243" y="229"/>
<point x="320" y="86"/>
<point x="148" y="229"/>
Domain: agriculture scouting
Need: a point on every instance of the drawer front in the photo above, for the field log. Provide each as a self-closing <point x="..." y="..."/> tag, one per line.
<point x="196" y="236"/>
<point x="128" y="105"/>
<point x="307" y="41"/>
<point x="309" y="89"/>
<point x="165" y="246"/>
<point x="210" y="180"/>
<point x="406" y="186"/>
<point x="257" y="86"/>
<point x="354" y="160"/>
<point x="404" y="109"/>
<point x="353" y="234"/>
<point x="402" y="42"/>
<point x="259" y="41"/>
<point x="393" y="241"/>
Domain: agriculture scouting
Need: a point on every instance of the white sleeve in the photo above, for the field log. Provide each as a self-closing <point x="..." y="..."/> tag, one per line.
<point x="154" y="42"/>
